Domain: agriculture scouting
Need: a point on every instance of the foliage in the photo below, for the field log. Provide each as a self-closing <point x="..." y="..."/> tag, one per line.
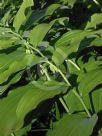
<point x="50" y="68"/>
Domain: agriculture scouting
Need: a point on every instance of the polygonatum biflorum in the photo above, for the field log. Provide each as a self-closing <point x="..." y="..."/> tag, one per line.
<point x="50" y="68"/>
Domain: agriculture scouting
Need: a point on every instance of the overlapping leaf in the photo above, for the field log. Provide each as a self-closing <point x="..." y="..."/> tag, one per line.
<point x="89" y="81"/>
<point x="94" y="21"/>
<point x="71" y="124"/>
<point x="24" y="102"/>
<point x="21" y="17"/>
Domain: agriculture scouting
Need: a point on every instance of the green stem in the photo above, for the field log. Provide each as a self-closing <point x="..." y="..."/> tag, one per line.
<point x="36" y="51"/>
<point x="65" y="79"/>
<point x="76" y="94"/>
<point x="82" y="102"/>
<point x="75" y="65"/>
<point x="64" y="105"/>
<point x="16" y="34"/>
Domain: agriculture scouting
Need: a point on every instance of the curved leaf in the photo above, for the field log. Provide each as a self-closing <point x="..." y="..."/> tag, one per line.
<point x="94" y="21"/>
<point x="27" y="98"/>
<point x="74" y="125"/>
<point x="20" y="16"/>
<point x="36" y="94"/>
<point x="38" y="33"/>
<point x="97" y="99"/>
<point x="89" y="81"/>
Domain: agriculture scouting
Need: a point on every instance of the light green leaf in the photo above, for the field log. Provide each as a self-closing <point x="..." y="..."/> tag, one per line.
<point x="67" y="45"/>
<point x="20" y="64"/>
<point x="12" y="113"/>
<point x="36" y="15"/>
<point x="6" y="17"/>
<point x="23" y="130"/>
<point x="8" y="107"/>
<point x="95" y="20"/>
<point x="37" y="93"/>
<point x="97" y="41"/>
<point x="60" y="54"/>
<point x="7" y="42"/>
<point x="38" y="33"/>
<point x="97" y="99"/>
<point x="16" y="77"/>
<point x="89" y="81"/>
<point x="6" y="61"/>
<point x="74" y="125"/>
<point x="20" y="16"/>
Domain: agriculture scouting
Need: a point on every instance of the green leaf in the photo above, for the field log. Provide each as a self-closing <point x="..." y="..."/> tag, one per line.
<point x="6" y="61"/>
<point x="97" y="100"/>
<point x="19" y="64"/>
<point x="74" y="125"/>
<point x="8" y="107"/>
<point x="60" y="54"/>
<point x="89" y="66"/>
<point x="23" y="130"/>
<point x="78" y="35"/>
<point x="16" y="77"/>
<point x="22" y="100"/>
<point x="74" y="104"/>
<point x="94" y="21"/>
<point x="37" y="94"/>
<point x="89" y="81"/>
<point x="67" y="46"/>
<point x="7" y="42"/>
<point x="6" y="17"/>
<point x="20" y="16"/>
<point x="36" y="15"/>
<point x="38" y="33"/>
<point x="97" y="41"/>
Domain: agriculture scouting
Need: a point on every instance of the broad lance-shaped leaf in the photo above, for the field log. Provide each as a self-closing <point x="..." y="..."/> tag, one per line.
<point x="74" y="125"/>
<point x="97" y="41"/>
<point x="21" y="64"/>
<point x="60" y="54"/>
<point x="39" y="93"/>
<point x="64" y="46"/>
<point x="95" y="20"/>
<point x="78" y="35"/>
<point x="74" y="104"/>
<point x="89" y="81"/>
<point x="7" y="59"/>
<point x="20" y="16"/>
<point x="89" y="66"/>
<point x="16" y="77"/>
<point x="96" y="96"/>
<point x="23" y="130"/>
<point x="8" y="107"/>
<point x="7" y="42"/>
<point x="68" y="45"/>
<point x="36" y="15"/>
<point x="38" y="33"/>
<point x="6" y="17"/>
<point x="22" y="100"/>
